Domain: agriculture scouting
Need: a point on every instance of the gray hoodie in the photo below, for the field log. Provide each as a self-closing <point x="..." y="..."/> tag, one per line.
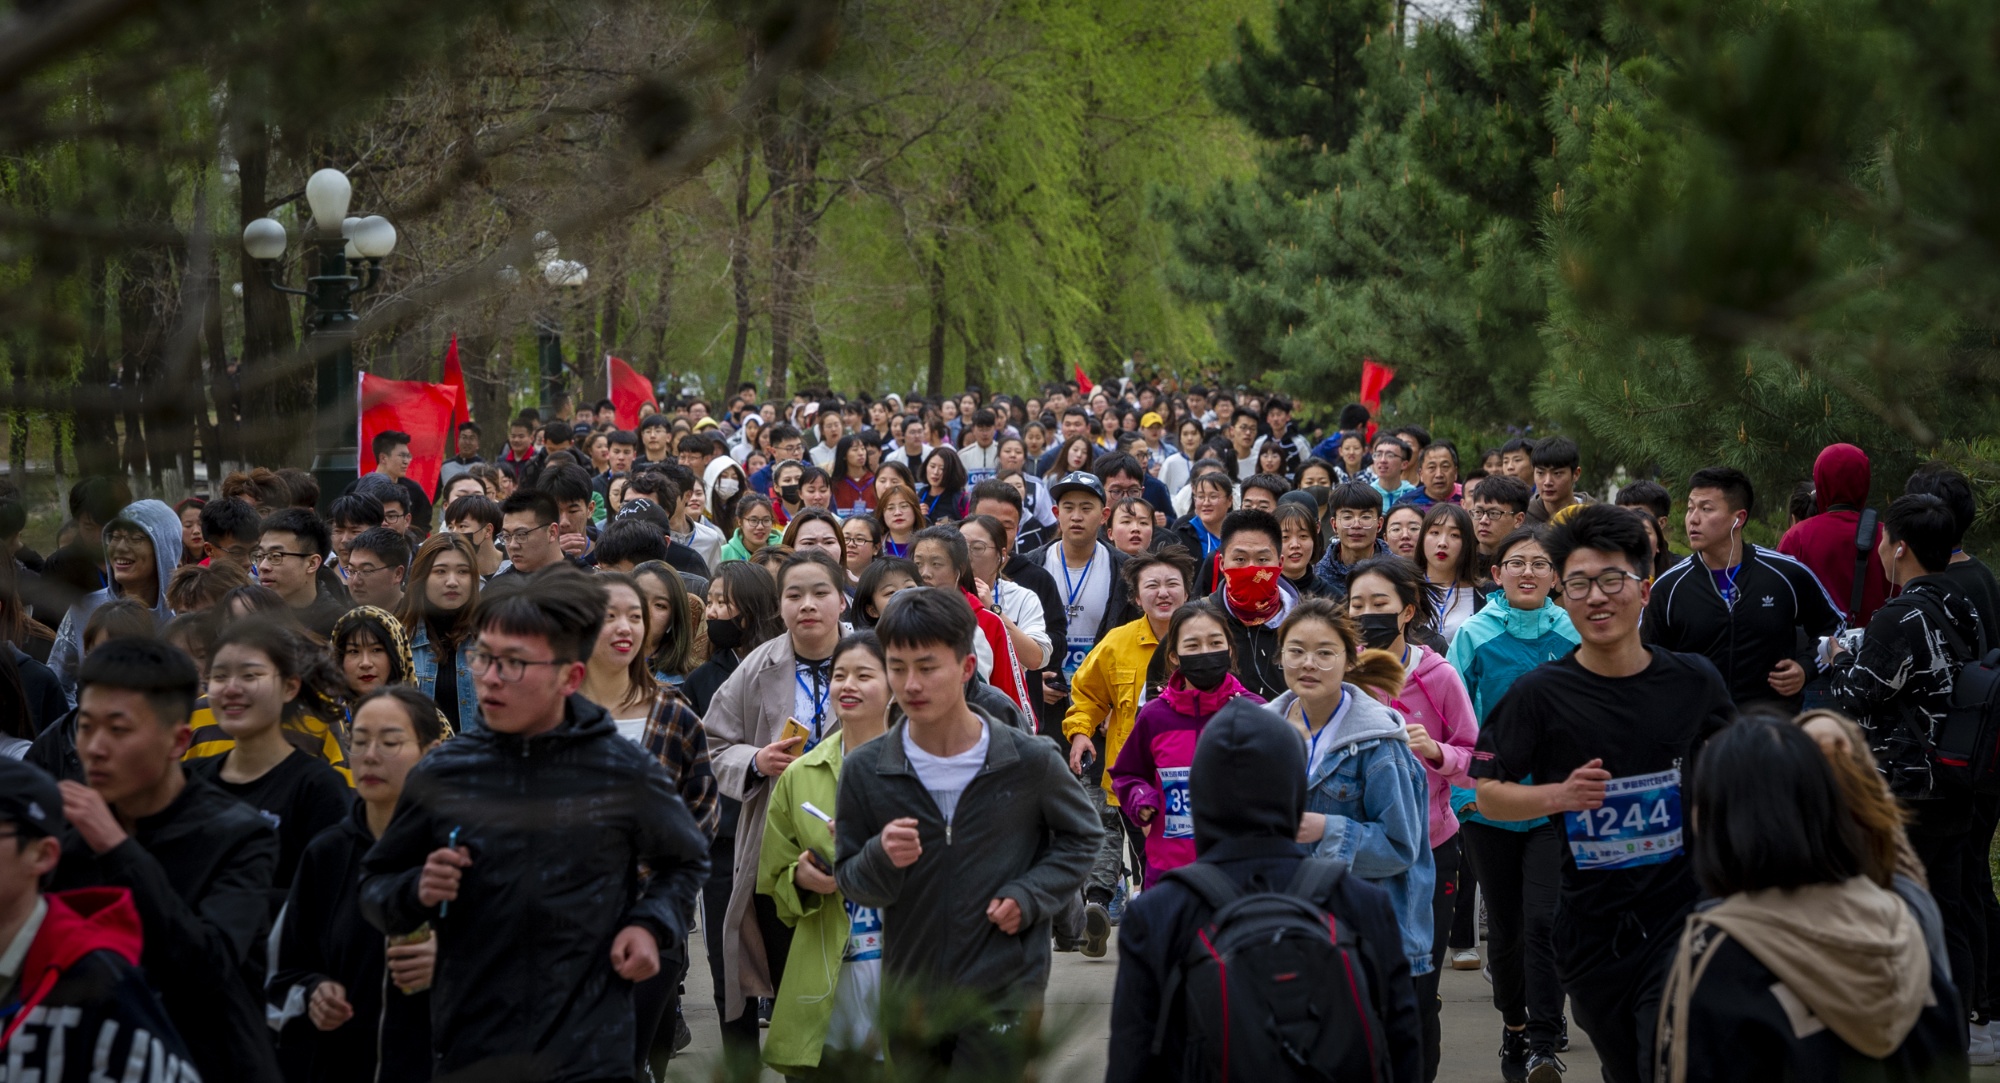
<point x="164" y="528"/>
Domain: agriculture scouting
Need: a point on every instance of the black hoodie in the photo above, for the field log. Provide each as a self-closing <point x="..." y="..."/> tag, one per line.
<point x="1248" y="788"/>
<point x="558" y="826"/>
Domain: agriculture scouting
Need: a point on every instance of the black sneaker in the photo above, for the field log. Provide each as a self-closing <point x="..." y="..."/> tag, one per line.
<point x="1096" y="930"/>
<point x="683" y="1037"/>
<point x="1513" y="1055"/>
<point x="1546" y="1067"/>
<point x="1562" y="1033"/>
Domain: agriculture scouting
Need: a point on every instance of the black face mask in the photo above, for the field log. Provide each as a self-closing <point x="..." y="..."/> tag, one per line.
<point x="788" y="493"/>
<point x="1205" y="671"/>
<point x="1378" y="630"/>
<point x="724" y="634"/>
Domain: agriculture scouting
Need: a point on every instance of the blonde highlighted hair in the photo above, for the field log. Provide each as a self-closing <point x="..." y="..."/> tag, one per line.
<point x="1875" y="810"/>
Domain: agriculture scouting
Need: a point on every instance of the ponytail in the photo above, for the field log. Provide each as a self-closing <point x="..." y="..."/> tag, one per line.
<point x="1378" y="673"/>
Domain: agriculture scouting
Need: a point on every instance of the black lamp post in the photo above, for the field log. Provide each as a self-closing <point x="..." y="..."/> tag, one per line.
<point x="348" y="250"/>
<point x="560" y="274"/>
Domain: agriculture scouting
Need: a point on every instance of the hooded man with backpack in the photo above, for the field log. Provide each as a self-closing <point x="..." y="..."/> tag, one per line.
<point x="1167" y="998"/>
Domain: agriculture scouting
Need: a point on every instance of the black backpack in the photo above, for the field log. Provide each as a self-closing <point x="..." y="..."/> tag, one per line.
<point x="1274" y="987"/>
<point x="1968" y="743"/>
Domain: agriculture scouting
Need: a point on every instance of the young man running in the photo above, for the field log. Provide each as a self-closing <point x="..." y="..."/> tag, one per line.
<point x="522" y="845"/>
<point x="1557" y="466"/>
<point x="1739" y="604"/>
<point x="1354" y="519"/>
<point x="969" y="835"/>
<point x="1612" y="730"/>
<point x="1089" y="573"/>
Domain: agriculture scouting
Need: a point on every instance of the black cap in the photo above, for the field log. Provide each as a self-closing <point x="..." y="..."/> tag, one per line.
<point x="29" y="798"/>
<point x="1075" y="480"/>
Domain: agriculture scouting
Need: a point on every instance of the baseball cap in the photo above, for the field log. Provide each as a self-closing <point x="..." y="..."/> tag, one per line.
<point x="707" y="423"/>
<point x="1151" y="419"/>
<point x="1077" y="480"/>
<point x="29" y="798"/>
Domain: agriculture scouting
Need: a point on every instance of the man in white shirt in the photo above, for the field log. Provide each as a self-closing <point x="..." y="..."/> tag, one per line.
<point x="1088" y="573"/>
<point x="981" y="453"/>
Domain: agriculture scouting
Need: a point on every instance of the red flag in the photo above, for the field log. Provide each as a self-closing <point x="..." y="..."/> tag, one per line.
<point x="420" y="409"/>
<point x="1374" y="378"/>
<point x="631" y="393"/>
<point x="454" y="376"/>
<point x="1083" y="384"/>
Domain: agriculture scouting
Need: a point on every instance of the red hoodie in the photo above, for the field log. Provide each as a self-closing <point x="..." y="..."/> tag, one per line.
<point x="1825" y="542"/>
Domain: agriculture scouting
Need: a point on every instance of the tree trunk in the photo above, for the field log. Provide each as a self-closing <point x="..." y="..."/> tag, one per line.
<point x="486" y="383"/>
<point x="275" y="406"/>
<point x="218" y="438"/>
<point x="940" y="317"/>
<point x="96" y="431"/>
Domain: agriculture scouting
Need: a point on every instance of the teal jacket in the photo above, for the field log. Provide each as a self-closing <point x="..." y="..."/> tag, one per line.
<point x="1492" y="649"/>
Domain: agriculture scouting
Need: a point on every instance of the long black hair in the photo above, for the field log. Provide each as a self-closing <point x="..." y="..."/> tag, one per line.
<point x="1767" y="811"/>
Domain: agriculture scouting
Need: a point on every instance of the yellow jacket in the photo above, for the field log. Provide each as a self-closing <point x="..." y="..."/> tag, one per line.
<point x="1109" y="688"/>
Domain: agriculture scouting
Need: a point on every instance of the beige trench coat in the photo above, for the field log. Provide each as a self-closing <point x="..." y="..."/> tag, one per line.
<point x="746" y="714"/>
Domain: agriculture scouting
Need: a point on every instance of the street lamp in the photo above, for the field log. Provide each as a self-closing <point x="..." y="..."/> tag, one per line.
<point x="560" y="274"/>
<point x="349" y="248"/>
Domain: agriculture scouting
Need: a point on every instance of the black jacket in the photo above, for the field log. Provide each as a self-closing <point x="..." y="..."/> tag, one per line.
<point x="55" y="750"/>
<point x="558" y="825"/>
<point x="1777" y="599"/>
<point x="323" y="937"/>
<point x="199" y="871"/>
<point x="40" y="691"/>
<point x="1898" y="684"/>
<point x="1257" y="663"/>
<point x="699" y="688"/>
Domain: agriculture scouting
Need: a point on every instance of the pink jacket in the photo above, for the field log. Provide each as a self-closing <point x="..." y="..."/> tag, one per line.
<point x="1434" y="697"/>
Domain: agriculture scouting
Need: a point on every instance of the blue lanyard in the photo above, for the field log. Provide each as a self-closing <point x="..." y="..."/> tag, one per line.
<point x="1076" y="587"/>
<point x="818" y="697"/>
<point x="1312" y="735"/>
<point x="893" y="548"/>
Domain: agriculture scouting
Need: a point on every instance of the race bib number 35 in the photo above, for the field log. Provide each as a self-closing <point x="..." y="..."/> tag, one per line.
<point x="1639" y="824"/>
<point x="1179" y="820"/>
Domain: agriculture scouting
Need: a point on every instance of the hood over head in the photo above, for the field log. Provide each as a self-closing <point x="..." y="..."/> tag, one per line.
<point x="163" y="526"/>
<point x="1840" y="476"/>
<point x="1255" y="762"/>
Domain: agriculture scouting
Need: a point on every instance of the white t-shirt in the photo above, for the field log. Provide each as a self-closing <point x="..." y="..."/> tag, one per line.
<point x="1455" y="609"/>
<point x="1021" y="605"/>
<point x="632" y="729"/>
<point x="946" y="777"/>
<point x="810" y="698"/>
<point x="1086" y="594"/>
<point x="1320" y="743"/>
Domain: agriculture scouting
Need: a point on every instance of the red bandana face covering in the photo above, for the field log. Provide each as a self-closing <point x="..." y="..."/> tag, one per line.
<point x="1252" y="593"/>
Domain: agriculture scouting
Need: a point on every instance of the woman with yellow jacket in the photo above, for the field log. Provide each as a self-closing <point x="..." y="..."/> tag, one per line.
<point x="1116" y="678"/>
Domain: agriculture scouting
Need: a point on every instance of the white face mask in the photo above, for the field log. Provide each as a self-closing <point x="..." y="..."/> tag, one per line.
<point x="725" y="487"/>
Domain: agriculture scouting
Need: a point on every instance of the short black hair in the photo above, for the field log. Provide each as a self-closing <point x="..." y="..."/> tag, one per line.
<point x="622" y="438"/>
<point x="654" y="485"/>
<point x="924" y="616"/>
<point x="473" y="506"/>
<point x="1251" y="520"/>
<point x="779" y="432"/>
<point x="1602" y="528"/>
<point x="1555" y="453"/>
<point x="1733" y="483"/>
<point x="983" y="418"/>
<point x="1353" y="417"/>
<point x="1947" y="484"/>
<point x="1647" y="494"/>
<point x="1390" y="438"/>
<point x="383" y="491"/>
<point x="1767" y="811"/>
<point x="566" y="484"/>
<point x="1358" y="496"/>
<point x="354" y="509"/>
<point x="163" y="674"/>
<point x="1520" y="444"/>
<point x="1418" y="433"/>
<point x="393" y="546"/>
<point x="558" y="603"/>
<point x="655" y="421"/>
<point x="1925" y="524"/>
<point x="1277" y="402"/>
<point x="531" y="500"/>
<point x="386" y="442"/>
<point x="232" y="518"/>
<point x="1504" y="489"/>
<point x="632" y="538"/>
<point x="300" y="523"/>
<point x="1118" y="463"/>
<point x="993" y="489"/>
<point x="695" y="443"/>
<point x="1274" y="484"/>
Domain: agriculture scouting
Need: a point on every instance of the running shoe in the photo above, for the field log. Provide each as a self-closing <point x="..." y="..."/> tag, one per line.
<point x="1116" y="907"/>
<point x="1096" y="930"/>
<point x="1546" y="1067"/>
<point x="1465" y="959"/>
<point x="1513" y="1055"/>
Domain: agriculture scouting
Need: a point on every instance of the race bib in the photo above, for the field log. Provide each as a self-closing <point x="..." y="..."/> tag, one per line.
<point x="1178" y="823"/>
<point x="864" y="934"/>
<point x="1639" y="824"/>
<point x="1074" y="652"/>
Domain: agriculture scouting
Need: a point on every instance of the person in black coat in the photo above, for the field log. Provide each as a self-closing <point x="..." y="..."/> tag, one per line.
<point x="1248" y="789"/>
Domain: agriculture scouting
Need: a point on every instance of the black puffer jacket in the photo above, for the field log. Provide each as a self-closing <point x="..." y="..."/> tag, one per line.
<point x="557" y="825"/>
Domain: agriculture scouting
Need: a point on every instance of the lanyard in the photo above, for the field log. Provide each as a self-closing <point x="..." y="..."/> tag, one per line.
<point x="1313" y="736"/>
<point x="1076" y="587"/>
<point x="817" y="695"/>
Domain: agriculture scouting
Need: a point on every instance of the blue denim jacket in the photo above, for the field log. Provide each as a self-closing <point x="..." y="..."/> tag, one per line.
<point x="1376" y="801"/>
<point x="423" y="663"/>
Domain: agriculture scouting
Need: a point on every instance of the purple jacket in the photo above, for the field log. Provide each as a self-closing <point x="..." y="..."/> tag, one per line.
<point x="1154" y="765"/>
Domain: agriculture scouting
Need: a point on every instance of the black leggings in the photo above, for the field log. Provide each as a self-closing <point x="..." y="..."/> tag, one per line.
<point x="1464" y="912"/>
<point x="1520" y="872"/>
<point x="1444" y="896"/>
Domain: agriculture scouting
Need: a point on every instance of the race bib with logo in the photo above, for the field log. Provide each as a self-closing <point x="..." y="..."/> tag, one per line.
<point x="1178" y="823"/>
<point x="1639" y="824"/>
<point x="1074" y="652"/>
<point x="864" y="933"/>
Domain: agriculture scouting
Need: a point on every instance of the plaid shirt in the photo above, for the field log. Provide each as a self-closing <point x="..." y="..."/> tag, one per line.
<point x="675" y="738"/>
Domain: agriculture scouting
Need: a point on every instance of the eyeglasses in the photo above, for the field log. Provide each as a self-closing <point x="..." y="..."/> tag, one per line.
<point x="1300" y="658"/>
<point x="1486" y="515"/>
<point x="511" y="669"/>
<point x="521" y="536"/>
<point x="1517" y="565"/>
<point x="1353" y="518"/>
<point x="125" y="538"/>
<point x="366" y="569"/>
<point x="760" y="520"/>
<point x="1577" y="587"/>
<point x="272" y="556"/>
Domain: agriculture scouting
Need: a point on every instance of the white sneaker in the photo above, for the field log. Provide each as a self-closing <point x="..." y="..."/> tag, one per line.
<point x="1979" y="1046"/>
<point x="1465" y="959"/>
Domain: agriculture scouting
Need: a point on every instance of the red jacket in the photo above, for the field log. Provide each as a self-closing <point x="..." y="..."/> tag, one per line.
<point x="1825" y="542"/>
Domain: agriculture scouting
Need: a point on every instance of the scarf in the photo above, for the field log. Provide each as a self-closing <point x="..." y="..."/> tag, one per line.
<point x="1186" y="699"/>
<point x="1252" y="593"/>
<point x="1007" y="674"/>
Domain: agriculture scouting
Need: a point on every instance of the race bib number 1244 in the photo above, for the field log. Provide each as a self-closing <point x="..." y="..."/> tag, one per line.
<point x="1639" y="824"/>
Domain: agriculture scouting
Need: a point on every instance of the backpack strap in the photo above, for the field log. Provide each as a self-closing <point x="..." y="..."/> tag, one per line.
<point x="1315" y="879"/>
<point x="1216" y="890"/>
<point x="1864" y="544"/>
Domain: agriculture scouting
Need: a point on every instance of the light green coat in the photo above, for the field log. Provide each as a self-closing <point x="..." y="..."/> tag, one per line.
<point x="803" y="1008"/>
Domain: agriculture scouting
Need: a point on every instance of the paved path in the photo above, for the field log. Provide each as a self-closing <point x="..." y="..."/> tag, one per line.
<point x="1080" y="990"/>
